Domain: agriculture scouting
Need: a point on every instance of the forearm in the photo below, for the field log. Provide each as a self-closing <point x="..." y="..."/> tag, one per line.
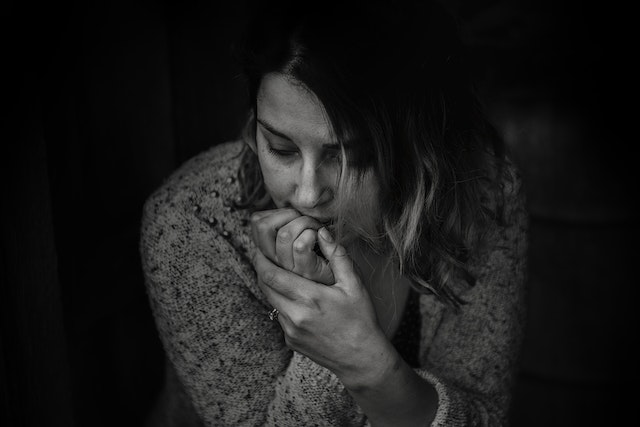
<point x="393" y="394"/>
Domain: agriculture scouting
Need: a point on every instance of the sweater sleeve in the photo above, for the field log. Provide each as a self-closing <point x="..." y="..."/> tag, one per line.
<point x="225" y="351"/>
<point x="471" y="355"/>
<point x="232" y="361"/>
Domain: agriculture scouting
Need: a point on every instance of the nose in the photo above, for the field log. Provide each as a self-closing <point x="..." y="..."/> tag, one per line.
<point x="312" y="189"/>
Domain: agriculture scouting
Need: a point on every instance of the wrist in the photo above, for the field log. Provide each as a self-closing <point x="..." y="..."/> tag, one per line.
<point x="379" y="361"/>
<point x="391" y="393"/>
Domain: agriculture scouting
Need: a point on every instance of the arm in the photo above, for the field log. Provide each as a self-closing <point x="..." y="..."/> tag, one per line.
<point x="230" y="361"/>
<point x="468" y="357"/>
<point x="336" y="326"/>
<point x="397" y="395"/>
<point x="215" y="332"/>
<point x="210" y="315"/>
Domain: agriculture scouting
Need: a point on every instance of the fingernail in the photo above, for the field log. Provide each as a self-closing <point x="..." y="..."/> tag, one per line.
<point x="324" y="233"/>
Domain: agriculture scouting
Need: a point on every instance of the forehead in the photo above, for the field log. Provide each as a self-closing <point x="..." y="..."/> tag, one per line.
<point x="293" y="109"/>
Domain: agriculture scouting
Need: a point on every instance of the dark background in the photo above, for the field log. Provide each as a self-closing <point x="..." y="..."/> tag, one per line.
<point x="104" y="99"/>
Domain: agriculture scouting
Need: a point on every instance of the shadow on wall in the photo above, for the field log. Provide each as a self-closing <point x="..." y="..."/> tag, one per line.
<point x="112" y="97"/>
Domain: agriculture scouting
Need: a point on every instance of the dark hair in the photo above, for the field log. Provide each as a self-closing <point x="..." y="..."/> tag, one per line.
<point x="394" y="85"/>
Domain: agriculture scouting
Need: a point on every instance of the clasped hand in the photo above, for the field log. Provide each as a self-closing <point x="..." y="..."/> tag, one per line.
<point x="325" y="311"/>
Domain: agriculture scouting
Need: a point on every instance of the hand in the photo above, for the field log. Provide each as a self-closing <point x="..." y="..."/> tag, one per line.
<point x="335" y="325"/>
<point x="288" y="238"/>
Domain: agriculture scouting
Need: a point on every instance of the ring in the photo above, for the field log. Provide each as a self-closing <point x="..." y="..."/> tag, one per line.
<point x="273" y="314"/>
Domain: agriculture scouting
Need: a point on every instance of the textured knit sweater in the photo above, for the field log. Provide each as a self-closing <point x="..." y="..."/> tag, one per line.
<point x="228" y="364"/>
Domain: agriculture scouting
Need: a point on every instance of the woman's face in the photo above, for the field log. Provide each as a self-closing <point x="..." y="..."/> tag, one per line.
<point x="299" y="158"/>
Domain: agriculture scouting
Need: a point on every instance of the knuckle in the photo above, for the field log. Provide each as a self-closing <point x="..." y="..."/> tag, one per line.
<point x="300" y="246"/>
<point x="256" y="219"/>
<point x="284" y="235"/>
<point x="261" y="226"/>
<point x="299" y="321"/>
<point x="270" y="277"/>
<point x="258" y="262"/>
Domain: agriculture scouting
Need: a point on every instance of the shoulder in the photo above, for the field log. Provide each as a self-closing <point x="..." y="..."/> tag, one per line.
<point x="210" y="175"/>
<point x="193" y="211"/>
<point x="499" y="261"/>
<point x="207" y="179"/>
<point x="513" y="217"/>
<point x="511" y="183"/>
<point x="503" y="199"/>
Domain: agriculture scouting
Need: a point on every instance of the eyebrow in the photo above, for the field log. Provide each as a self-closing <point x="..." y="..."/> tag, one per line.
<point x="271" y="129"/>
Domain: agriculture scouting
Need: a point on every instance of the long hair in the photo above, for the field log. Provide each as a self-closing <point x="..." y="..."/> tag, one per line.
<point x="394" y="86"/>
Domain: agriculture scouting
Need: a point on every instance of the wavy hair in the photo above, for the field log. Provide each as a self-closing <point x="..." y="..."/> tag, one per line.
<point x="401" y="104"/>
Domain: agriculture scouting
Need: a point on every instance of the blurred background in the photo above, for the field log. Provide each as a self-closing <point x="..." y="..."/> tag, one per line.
<point x="104" y="99"/>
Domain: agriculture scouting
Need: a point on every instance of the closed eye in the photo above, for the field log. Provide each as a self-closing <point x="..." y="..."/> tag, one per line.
<point x="281" y="152"/>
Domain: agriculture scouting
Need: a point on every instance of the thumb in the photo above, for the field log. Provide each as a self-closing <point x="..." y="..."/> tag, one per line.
<point x="339" y="261"/>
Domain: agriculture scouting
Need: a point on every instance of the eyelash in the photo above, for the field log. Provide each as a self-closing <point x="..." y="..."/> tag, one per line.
<point x="281" y="153"/>
<point x="291" y="153"/>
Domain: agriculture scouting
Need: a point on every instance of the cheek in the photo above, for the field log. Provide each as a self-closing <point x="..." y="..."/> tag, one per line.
<point x="276" y="180"/>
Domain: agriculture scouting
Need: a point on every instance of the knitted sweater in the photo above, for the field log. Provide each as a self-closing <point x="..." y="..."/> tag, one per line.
<point x="228" y="364"/>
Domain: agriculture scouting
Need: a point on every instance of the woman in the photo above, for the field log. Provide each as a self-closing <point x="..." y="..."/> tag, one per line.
<point x="358" y="258"/>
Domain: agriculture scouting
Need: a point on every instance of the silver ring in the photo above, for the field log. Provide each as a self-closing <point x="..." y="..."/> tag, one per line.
<point x="273" y="314"/>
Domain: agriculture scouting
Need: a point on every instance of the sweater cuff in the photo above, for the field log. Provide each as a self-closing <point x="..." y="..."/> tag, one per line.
<point x="450" y="411"/>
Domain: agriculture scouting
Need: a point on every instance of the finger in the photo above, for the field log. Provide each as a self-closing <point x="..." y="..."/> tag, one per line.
<point x="286" y="306"/>
<point x="265" y="225"/>
<point x="302" y="249"/>
<point x="307" y="263"/>
<point x="340" y="262"/>
<point x="257" y="218"/>
<point x="290" y="233"/>
<point x="278" y="302"/>
<point x="275" y="279"/>
<point x="263" y="266"/>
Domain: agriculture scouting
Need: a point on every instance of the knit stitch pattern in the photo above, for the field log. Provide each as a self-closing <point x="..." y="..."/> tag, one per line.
<point x="228" y="364"/>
